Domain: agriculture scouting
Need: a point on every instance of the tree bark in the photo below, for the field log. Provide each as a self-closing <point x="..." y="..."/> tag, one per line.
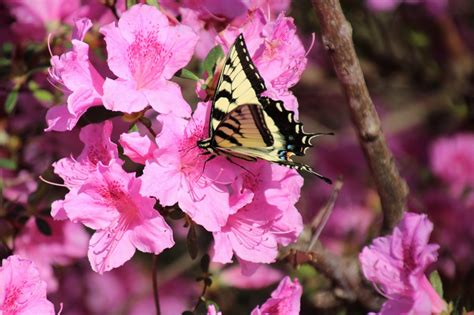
<point x="336" y="35"/>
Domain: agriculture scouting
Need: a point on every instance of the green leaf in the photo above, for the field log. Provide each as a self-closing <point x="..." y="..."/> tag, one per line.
<point x="7" y="47"/>
<point x="43" y="226"/>
<point x="211" y="59"/>
<point x="7" y="164"/>
<point x="11" y="100"/>
<point x="133" y="128"/>
<point x="187" y="74"/>
<point x="419" y="39"/>
<point x="43" y="95"/>
<point x="131" y="3"/>
<point x="32" y="85"/>
<point x="153" y="3"/>
<point x="435" y="281"/>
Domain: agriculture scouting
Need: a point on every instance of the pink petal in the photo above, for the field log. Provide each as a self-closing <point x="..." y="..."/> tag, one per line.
<point x="166" y="98"/>
<point x="138" y="148"/>
<point x="107" y="252"/>
<point x="81" y="27"/>
<point x="57" y="210"/>
<point x="142" y="18"/>
<point x="87" y="209"/>
<point x="120" y="95"/>
<point x="59" y="118"/>
<point x="167" y="191"/>
<point x="222" y="248"/>
<point x="152" y="236"/>
<point x="117" y="57"/>
<point x="262" y="277"/>
<point x="182" y="40"/>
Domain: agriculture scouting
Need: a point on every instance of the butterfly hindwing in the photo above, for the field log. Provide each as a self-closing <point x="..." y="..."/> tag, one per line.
<point x="239" y="83"/>
<point x="244" y="127"/>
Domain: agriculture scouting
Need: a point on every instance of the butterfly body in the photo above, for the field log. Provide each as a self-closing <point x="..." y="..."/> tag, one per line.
<point x="246" y="125"/>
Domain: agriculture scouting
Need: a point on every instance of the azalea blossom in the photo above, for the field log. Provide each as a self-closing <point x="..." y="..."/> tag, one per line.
<point x="22" y="291"/>
<point x="211" y="310"/>
<point x="396" y="264"/>
<point x="255" y="230"/>
<point x="452" y="159"/>
<point x="34" y="17"/>
<point x="144" y="52"/>
<point x="109" y="202"/>
<point x="81" y="82"/>
<point x="263" y="277"/>
<point x="74" y="171"/>
<point x="276" y="51"/>
<point x="138" y="148"/>
<point x="67" y="242"/>
<point x="285" y="299"/>
<point x="182" y="173"/>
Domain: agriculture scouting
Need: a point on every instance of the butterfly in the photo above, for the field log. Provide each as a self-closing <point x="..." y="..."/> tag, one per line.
<point x="246" y="125"/>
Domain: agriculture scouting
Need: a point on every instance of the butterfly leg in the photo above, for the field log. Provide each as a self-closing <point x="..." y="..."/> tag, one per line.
<point x="241" y="166"/>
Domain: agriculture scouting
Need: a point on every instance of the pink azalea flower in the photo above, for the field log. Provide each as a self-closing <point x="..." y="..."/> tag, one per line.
<point x="81" y="81"/>
<point x="97" y="148"/>
<point x="397" y="265"/>
<point x="22" y="292"/>
<point x="145" y="51"/>
<point x="17" y="187"/>
<point x="276" y="51"/>
<point x="263" y="277"/>
<point x="138" y="148"/>
<point x="211" y="310"/>
<point x="255" y="230"/>
<point x="452" y="159"/>
<point x="75" y="171"/>
<point x="285" y="299"/>
<point x="34" y="17"/>
<point x="110" y="203"/>
<point x="180" y="172"/>
<point x="67" y="243"/>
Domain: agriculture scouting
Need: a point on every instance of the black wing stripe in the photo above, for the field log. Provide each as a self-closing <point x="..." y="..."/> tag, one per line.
<point x="297" y="141"/>
<point x="249" y="68"/>
<point x="259" y="121"/>
<point x="221" y="134"/>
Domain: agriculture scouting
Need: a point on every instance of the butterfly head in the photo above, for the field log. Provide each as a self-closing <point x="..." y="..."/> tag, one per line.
<point x="205" y="144"/>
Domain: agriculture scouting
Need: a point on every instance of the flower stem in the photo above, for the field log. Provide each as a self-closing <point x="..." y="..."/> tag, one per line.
<point x="155" y="284"/>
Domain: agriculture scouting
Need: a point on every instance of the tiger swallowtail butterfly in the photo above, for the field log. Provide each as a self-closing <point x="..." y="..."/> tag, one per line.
<point x="245" y="125"/>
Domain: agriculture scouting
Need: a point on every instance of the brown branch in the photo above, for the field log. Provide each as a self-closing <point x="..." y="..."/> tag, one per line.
<point x="346" y="273"/>
<point x="336" y="33"/>
<point x="349" y="285"/>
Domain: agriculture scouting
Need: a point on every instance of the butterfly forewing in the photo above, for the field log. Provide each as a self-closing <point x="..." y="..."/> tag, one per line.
<point x="239" y="83"/>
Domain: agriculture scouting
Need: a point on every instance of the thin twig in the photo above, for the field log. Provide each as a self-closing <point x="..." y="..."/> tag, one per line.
<point x="336" y="34"/>
<point x="145" y="122"/>
<point x="322" y="218"/>
<point x="154" y="270"/>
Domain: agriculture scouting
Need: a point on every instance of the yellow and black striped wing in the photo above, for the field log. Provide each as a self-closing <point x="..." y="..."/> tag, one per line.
<point x="239" y="83"/>
<point x="266" y="131"/>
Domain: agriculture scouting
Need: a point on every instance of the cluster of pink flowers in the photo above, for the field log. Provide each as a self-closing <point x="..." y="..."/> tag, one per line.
<point x="130" y="171"/>
<point x="249" y="210"/>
